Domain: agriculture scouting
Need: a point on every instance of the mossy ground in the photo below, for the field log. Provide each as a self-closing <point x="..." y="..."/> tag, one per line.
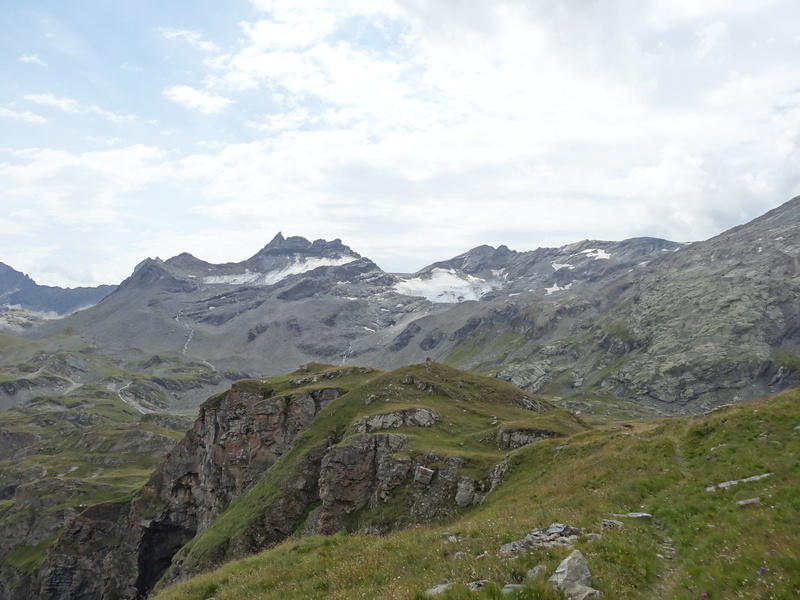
<point x="709" y="546"/>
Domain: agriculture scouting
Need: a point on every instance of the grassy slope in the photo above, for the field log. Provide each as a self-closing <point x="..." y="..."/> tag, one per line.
<point x="467" y="404"/>
<point x="721" y="550"/>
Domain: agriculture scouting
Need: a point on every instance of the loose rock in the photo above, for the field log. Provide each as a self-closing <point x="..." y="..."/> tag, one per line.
<point x="556" y="534"/>
<point x="438" y="589"/>
<point x="749" y="502"/>
<point x="423" y="475"/>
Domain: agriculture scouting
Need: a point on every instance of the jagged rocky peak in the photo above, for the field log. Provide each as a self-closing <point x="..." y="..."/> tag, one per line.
<point x="10" y="276"/>
<point x="295" y="254"/>
<point x="297" y="245"/>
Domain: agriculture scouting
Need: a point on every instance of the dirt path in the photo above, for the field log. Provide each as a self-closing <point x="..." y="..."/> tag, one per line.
<point x="670" y="577"/>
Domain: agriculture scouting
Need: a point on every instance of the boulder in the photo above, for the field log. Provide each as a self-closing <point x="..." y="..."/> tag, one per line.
<point x="573" y="579"/>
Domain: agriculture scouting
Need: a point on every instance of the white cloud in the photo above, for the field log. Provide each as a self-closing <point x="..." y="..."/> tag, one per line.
<point x="70" y="105"/>
<point x="192" y="37"/>
<point x="32" y="59"/>
<point x="192" y="98"/>
<point x="82" y="189"/>
<point x="9" y="227"/>
<point x="665" y="12"/>
<point x="21" y="116"/>
<point x="709" y="37"/>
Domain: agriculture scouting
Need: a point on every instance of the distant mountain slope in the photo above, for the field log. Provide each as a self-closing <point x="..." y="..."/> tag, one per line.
<point x="17" y="289"/>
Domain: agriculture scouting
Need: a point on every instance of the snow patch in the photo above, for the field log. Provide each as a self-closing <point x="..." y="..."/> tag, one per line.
<point x="556" y="266"/>
<point x="596" y="253"/>
<point x="300" y="265"/>
<point x="557" y="288"/>
<point x="445" y="286"/>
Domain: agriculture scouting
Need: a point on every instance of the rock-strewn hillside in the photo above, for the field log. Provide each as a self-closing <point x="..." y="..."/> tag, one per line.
<point x="322" y="450"/>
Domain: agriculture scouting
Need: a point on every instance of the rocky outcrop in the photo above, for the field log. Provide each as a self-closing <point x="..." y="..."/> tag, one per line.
<point x="416" y="417"/>
<point x="516" y="438"/>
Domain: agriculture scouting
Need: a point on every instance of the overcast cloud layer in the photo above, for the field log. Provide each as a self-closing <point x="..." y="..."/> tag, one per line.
<point x="411" y="129"/>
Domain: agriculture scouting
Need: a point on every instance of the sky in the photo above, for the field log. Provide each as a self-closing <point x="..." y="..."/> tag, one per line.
<point x="413" y="130"/>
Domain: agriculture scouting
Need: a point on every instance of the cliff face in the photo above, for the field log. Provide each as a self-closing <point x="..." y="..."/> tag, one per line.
<point x="228" y="448"/>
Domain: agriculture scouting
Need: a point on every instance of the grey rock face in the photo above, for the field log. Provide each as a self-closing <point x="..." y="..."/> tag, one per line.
<point x="356" y="474"/>
<point x="423" y="475"/>
<point x="234" y="440"/>
<point x="467" y="493"/>
<point x="64" y="572"/>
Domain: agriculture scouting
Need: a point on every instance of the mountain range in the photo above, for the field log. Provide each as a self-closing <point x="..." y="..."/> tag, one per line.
<point x="672" y="328"/>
